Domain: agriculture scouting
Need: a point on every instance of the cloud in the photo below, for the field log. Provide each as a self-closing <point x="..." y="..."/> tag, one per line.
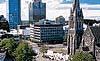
<point x="68" y="0"/>
<point x="83" y="6"/>
<point x="90" y="11"/>
<point x="55" y="8"/>
<point x="51" y="4"/>
<point x="3" y="9"/>
<point x="2" y="1"/>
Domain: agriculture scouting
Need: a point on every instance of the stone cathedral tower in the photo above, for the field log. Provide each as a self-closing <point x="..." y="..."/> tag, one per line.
<point x="75" y="30"/>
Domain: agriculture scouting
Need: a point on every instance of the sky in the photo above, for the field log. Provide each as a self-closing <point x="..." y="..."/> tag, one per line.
<point x="55" y="8"/>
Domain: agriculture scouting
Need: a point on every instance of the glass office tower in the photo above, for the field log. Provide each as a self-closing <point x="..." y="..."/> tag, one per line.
<point x="13" y="13"/>
<point x="37" y="11"/>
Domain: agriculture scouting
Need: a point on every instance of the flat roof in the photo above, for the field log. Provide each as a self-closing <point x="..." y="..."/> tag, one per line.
<point x="47" y="24"/>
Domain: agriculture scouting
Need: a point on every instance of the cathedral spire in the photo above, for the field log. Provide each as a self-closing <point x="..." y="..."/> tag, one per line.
<point x="71" y="12"/>
<point x="75" y="30"/>
<point x="76" y="4"/>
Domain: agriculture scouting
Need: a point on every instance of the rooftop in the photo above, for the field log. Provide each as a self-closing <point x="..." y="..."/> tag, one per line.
<point x="44" y="22"/>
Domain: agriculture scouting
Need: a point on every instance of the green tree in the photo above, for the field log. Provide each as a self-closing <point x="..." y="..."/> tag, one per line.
<point x="23" y="52"/>
<point x="43" y="49"/>
<point x="80" y="56"/>
<point x="9" y="43"/>
<point x="65" y="40"/>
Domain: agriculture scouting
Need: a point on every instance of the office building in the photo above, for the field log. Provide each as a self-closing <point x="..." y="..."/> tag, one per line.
<point x="47" y="32"/>
<point x="37" y="11"/>
<point x="60" y="20"/>
<point x="13" y="13"/>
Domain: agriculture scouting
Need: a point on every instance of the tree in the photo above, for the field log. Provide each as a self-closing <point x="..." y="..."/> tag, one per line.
<point x="9" y="43"/>
<point x="23" y="52"/>
<point x="65" y="40"/>
<point x="80" y="56"/>
<point x="43" y="49"/>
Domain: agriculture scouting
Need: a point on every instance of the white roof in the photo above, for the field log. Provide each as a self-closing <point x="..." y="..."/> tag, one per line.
<point x="15" y="32"/>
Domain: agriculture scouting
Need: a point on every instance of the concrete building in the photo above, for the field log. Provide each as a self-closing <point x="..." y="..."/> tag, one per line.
<point x="31" y="32"/>
<point x="37" y="11"/>
<point x="24" y="30"/>
<point x="13" y="13"/>
<point x="16" y="34"/>
<point x="4" y="25"/>
<point x="45" y="31"/>
<point x="25" y="23"/>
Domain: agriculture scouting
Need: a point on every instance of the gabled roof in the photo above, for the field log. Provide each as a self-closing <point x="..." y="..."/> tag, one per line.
<point x="96" y="32"/>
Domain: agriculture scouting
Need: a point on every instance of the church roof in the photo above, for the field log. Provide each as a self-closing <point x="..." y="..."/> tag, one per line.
<point x="96" y="32"/>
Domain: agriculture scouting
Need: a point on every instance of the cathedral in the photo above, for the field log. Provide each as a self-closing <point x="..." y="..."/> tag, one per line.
<point x="79" y="40"/>
<point x="75" y="30"/>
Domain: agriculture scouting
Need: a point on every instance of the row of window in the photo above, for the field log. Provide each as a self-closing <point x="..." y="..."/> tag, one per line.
<point x="51" y="32"/>
<point x="51" y="38"/>
<point x="52" y="28"/>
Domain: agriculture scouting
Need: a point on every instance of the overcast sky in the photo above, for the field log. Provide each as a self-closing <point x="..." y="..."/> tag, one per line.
<point x="55" y="8"/>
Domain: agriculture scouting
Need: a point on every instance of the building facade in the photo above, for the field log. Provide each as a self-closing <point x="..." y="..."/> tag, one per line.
<point x="75" y="29"/>
<point x="60" y="20"/>
<point x="13" y="13"/>
<point x="4" y="25"/>
<point x="48" y="32"/>
<point x="37" y="11"/>
<point x="91" y="41"/>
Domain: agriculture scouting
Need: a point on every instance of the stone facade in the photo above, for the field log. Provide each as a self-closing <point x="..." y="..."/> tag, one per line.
<point x="91" y="42"/>
<point x="75" y="30"/>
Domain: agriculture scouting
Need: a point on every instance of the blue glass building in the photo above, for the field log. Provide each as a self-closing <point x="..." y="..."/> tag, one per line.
<point x="37" y="11"/>
<point x="13" y="13"/>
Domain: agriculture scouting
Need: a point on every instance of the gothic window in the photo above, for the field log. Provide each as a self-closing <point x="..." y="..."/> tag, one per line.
<point x="71" y="24"/>
<point x="88" y="34"/>
<point x="88" y="41"/>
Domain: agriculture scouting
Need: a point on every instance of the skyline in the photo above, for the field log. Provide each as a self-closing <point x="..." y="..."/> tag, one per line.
<point x="56" y="8"/>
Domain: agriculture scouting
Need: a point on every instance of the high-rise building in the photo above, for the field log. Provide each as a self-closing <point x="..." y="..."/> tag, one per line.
<point x="13" y="13"/>
<point x="25" y="10"/>
<point x="60" y="20"/>
<point x="75" y="29"/>
<point x="37" y="11"/>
